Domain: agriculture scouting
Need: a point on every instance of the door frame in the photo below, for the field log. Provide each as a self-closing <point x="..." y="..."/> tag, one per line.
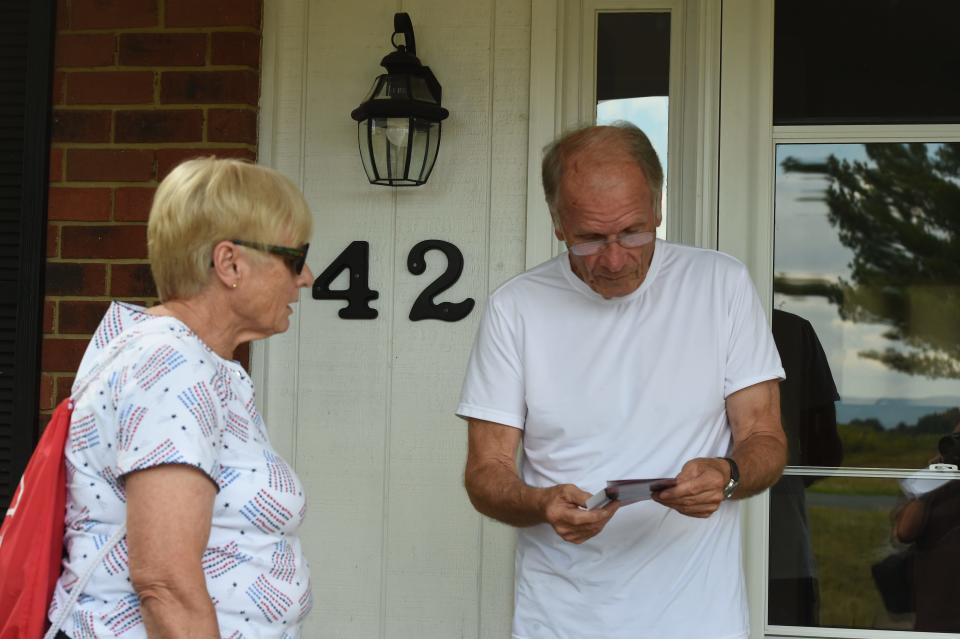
<point x="732" y="182"/>
<point x="562" y="97"/>
<point x="745" y="213"/>
<point x="746" y="230"/>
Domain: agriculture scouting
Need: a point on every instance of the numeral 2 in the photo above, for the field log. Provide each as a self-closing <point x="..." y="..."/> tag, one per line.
<point x="358" y="294"/>
<point x="424" y="307"/>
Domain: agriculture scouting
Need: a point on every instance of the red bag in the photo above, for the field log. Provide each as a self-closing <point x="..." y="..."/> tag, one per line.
<point x="31" y="538"/>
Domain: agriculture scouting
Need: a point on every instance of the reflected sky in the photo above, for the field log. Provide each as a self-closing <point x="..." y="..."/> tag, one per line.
<point x="806" y="245"/>
<point x="650" y="115"/>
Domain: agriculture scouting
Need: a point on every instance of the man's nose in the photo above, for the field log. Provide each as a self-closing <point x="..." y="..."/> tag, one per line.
<point x="613" y="257"/>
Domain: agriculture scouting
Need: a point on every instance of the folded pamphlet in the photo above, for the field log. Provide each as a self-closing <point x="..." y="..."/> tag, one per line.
<point x="629" y="491"/>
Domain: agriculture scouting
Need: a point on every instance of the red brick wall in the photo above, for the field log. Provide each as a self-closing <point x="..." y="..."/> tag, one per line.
<point x="139" y="85"/>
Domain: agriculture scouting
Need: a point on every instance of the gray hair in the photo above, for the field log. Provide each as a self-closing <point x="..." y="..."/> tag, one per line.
<point x="621" y="134"/>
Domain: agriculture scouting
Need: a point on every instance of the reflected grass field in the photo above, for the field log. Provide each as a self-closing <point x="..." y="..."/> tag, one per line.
<point x="868" y="448"/>
<point x="845" y="543"/>
<point x="865" y="447"/>
<point x="849" y="533"/>
<point x="855" y="485"/>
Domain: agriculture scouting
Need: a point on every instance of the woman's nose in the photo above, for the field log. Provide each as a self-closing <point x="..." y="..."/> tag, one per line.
<point x="306" y="277"/>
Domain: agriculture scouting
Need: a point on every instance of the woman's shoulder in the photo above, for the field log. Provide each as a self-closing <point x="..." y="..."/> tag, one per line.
<point x="129" y="335"/>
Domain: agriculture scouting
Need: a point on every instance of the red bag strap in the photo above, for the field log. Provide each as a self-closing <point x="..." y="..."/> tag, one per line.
<point x="116" y="347"/>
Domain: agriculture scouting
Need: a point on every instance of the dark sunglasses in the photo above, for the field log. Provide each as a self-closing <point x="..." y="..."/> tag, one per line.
<point x="295" y="258"/>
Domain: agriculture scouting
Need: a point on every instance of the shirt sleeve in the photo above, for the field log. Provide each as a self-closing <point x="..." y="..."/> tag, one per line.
<point x="493" y="387"/>
<point x="752" y="355"/>
<point x="168" y="408"/>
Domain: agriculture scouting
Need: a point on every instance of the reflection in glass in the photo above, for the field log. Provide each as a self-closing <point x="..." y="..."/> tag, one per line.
<point x="882" y="555"/>
<point x="930" y="523"/>
<point x="867" y="238"/>
<point x="809" y="418"/>
<point x="633" y="78"/>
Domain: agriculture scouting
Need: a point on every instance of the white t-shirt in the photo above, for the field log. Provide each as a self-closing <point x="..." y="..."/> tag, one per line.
<point x="630" y="387"/>
<point x="167" y="398"/>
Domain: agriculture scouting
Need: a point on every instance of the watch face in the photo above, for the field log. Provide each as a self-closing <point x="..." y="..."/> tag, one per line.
<point x="730" y="488"/>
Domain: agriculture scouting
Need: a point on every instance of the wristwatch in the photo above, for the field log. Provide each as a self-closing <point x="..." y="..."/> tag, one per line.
<point x="731" y="486"/>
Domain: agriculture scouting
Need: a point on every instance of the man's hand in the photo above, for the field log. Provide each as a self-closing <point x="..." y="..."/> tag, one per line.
<point x="699" y="489"/>
<point x="496" y="490"/>
<point x="562" y="508"/>
<point x="759" y="447"/>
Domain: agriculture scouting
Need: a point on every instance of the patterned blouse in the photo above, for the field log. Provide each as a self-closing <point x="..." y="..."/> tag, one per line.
<point x="166" y="398"/>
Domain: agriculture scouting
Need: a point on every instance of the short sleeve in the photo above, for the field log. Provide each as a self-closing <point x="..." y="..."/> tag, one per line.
<point x="493" y="388"/>
<point x="752" y="355"/>
<point x="168" y="408"/>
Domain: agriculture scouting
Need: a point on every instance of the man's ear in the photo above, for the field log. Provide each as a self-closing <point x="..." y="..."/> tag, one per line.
<point x="557" y="229"/>
<point x="224" y="260"/>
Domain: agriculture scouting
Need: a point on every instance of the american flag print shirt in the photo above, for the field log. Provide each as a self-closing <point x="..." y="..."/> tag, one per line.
<point x="166" y="398"/>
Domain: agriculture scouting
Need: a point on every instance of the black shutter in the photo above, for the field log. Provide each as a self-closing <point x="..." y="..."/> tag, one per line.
<point x="26" y="39"/>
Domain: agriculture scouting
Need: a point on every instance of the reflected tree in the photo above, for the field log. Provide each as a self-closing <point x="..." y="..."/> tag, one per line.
<point x="899" y="212"/>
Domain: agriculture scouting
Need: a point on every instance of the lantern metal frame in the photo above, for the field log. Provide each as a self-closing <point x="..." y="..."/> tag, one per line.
<point x="398" y="124"/>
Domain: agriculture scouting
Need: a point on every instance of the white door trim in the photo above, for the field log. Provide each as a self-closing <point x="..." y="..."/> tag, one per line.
<point x="562" y="95"/>
<point x="546" y="38"/>
<point x="745" y="211"/>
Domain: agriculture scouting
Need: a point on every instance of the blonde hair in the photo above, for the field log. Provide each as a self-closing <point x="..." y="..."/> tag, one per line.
<point x="618" y="135"/>
<point x="207" y="200"/>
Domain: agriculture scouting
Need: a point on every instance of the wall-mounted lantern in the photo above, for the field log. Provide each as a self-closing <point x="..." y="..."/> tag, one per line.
<point x="398" y="124"/>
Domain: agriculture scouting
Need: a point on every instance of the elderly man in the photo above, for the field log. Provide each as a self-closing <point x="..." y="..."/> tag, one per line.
<point x="625" y="357"/>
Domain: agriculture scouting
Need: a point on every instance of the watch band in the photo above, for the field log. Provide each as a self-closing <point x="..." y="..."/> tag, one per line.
<point x="734" y="469"/>
<point x="734" y="481"/>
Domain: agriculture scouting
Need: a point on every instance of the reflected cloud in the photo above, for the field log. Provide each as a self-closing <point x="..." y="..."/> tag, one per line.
<point x="808" y="250"/>
<point x="651" y="115"/>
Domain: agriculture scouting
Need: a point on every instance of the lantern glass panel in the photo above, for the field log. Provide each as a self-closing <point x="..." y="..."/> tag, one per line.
<point x="363" y="139"/>
<point x="402" y="86"/>
<point x="434" y="148"/>
<point x="420" y="90"/>
<point x="379" y="144"/>
<point x="397" y="131"/>
<point x="399" y="86"/>
<point x="381" y="88"/>
<point x="424" y="149"/>
<point x="398" y="151"/>
<point x="418" y="151"/>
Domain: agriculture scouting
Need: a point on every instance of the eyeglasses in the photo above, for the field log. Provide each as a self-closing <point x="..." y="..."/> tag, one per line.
<point x="295" y="258"/>
<point x="626" y="240"/>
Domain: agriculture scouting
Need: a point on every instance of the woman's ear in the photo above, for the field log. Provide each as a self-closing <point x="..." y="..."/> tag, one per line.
<point x="225" y="263"/>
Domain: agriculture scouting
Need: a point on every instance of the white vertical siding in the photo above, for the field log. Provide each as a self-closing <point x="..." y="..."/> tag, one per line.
<point x="364" y="408"/>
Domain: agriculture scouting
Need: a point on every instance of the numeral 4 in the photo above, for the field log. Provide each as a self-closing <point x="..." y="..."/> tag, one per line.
<point x="358" y="294"/>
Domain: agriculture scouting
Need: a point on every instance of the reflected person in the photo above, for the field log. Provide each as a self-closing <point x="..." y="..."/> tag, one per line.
<point x="930" y="520"/>
<point x="809" y="420"/>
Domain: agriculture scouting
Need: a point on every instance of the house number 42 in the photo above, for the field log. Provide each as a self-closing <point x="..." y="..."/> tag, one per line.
<point x="358" y="294"/>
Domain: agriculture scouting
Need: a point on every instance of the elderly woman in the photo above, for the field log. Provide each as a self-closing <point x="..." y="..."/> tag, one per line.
<point x="166" y="438"/>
